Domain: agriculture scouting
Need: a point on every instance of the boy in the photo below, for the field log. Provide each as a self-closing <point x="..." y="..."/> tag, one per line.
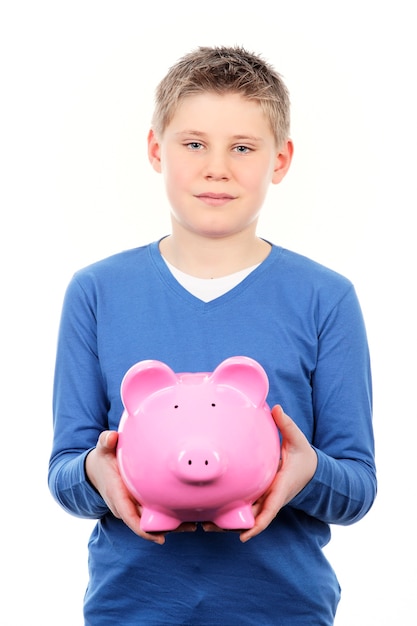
<point x="209" y="290"/>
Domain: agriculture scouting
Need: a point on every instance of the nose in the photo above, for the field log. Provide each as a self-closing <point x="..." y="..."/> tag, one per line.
<point x="216" y="167"/>
<point x="199" y="464"/>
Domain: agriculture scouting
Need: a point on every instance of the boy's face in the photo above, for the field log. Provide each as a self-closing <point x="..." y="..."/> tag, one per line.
<point x="218" y="156"/>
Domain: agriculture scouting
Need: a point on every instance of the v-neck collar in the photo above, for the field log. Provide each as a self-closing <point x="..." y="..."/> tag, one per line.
<point x="173" y="284"/>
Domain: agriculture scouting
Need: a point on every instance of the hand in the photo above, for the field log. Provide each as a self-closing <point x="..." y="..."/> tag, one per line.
<point x="297" y="467"/>
<point x="103" y="473"/>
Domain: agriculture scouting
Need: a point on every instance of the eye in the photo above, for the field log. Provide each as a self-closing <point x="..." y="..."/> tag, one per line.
<point x="194" y="146"/>
<point x="242" y="149"/>
<point x="213" y="404"/>
<point x="176" y="406"/>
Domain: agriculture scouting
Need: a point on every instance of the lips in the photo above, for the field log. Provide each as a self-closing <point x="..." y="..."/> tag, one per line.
<point x="215" y="199"/>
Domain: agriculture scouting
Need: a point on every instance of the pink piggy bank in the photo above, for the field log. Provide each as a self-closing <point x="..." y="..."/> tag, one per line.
<point x="197" y="447"/>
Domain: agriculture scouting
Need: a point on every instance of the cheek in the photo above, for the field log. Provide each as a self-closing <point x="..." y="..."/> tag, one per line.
<point x="256" y="181"/>
<point x="176" y="174"/>
<point x="257" y="173"/>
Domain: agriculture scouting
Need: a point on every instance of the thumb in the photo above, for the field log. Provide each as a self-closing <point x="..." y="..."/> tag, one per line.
<point x="108" y="440"/>
<point x="287" y="427"/>
<point x="280" y="418"/>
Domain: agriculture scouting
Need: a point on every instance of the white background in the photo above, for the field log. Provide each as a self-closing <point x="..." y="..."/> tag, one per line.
<point x="77" y="82"/>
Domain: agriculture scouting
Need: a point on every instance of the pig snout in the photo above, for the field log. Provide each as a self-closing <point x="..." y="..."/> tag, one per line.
<point x="199" y="464"/>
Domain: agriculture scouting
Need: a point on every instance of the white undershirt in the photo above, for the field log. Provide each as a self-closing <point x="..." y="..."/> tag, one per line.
<point x="207" y="289"/>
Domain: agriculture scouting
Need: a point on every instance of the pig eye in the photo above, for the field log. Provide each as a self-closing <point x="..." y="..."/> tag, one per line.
<point x="175" y="406"/>
<point x="213" y="404"/>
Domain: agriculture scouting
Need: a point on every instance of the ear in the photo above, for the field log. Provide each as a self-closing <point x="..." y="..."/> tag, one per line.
<point x="244" y="374"/>
<point x="154" y="151"/>
<point x="283" y="161"/>
<point x="142" y="380"/>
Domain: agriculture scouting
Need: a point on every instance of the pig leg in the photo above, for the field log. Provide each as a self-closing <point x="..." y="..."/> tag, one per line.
<point x="234" y="519"/>
<point x="156" y="521"/>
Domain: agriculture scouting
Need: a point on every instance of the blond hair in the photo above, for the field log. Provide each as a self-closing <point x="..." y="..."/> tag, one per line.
<point x="223" y="70"/>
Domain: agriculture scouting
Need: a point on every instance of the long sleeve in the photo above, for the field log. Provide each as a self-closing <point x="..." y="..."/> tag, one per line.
<point x="341" y="492"/>
<point x="344" y="485"/>
<point x="79" y="405"/>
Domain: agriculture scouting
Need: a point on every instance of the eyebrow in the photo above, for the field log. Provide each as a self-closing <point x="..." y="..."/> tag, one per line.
<point x="197" y="133"/>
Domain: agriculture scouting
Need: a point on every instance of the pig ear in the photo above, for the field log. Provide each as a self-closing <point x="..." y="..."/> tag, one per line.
<point x="142" y="380"/>
<point x="244" y="374"/>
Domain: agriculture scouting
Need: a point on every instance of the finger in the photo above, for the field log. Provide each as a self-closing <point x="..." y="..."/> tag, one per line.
<point x="158" y="538"/>
<point x="288" y="428"/>
<point x="110" y="438"/>
<point x="270" y="509"/>
<point x="186" y="527"/>
<point x="282" y="420"/>
<point x="210" y="527"/>
<point x="131" y="517"/>
<point x="277" y="411"/>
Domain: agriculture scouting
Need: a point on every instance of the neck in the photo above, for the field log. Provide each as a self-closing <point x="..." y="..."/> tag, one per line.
<point x="213" y="257"/>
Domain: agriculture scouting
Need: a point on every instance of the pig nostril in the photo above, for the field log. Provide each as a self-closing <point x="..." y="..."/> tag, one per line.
<point x="190" y="462"/>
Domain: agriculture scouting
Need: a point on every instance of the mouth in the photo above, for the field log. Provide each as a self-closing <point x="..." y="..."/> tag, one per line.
<point x="215" y="199"/>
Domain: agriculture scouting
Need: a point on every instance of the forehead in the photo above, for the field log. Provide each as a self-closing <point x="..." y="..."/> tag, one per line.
<point x="208" y="112"/>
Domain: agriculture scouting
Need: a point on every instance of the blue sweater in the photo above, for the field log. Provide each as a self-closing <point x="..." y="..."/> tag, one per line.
<point x="303" y="323"/>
